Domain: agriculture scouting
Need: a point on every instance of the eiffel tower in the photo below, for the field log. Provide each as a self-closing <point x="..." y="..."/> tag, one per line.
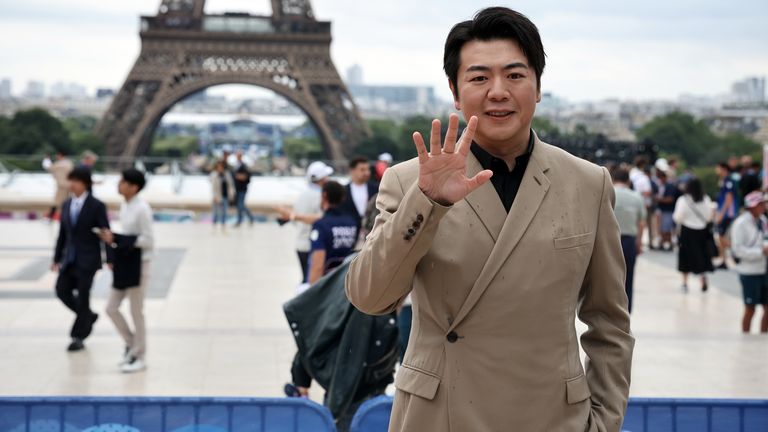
<point x="184" y="51"/>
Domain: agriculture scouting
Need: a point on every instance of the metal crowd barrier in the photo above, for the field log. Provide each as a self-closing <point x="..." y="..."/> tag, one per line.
<point x="643" y="415"/>
<point x="152" y="414"/>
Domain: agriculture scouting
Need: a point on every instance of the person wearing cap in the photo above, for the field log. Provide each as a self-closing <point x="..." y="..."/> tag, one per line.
<point x="384" y="162"/>
<point x="749" y="247"/>
<point x="77" y="256"/>
<point x="306" y="211"/>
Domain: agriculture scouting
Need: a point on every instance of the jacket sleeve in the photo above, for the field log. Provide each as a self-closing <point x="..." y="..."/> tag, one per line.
<point x="607" y="342"/>
<point x="382" y="273"/>
<point x="102" y="221"/>
<point x="62" y="239"/>
<point x="746" y="243"/>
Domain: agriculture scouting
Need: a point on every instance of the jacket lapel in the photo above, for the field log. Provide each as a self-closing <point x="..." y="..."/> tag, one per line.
<point x="485" y="201"/>
<point x="532" y="191"/>
<point x="83" y="209"/>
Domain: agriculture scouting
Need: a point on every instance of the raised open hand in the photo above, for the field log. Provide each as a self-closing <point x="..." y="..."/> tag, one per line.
<point x="443" y="171"/>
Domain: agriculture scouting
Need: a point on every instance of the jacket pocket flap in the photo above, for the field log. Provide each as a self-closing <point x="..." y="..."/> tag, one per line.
<point x="417" y="382"/>
<point x="573" y="241"/>
<point x="577" y="389"/>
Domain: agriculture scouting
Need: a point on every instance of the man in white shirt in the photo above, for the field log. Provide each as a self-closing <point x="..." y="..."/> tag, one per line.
<point x="749" y="247"/>
<point x="136" y="222"/>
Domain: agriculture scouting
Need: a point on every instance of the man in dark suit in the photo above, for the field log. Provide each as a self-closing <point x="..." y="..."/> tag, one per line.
<point x="359" y="190"/>
<point x="78" y="253"/>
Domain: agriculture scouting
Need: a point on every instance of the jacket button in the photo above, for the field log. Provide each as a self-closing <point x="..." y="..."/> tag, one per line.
<point x="452" y="337"/>
<point x="411" y="232"/>
<point x="420" y="218"/>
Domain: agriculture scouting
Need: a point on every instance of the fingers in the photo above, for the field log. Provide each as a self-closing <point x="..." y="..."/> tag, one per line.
<point x="467" y="136"/>
<point x="450" y="137"/>
<point x="421" y="148"/>
<point x="434" y="139"/>
<point x="479" y="179"/>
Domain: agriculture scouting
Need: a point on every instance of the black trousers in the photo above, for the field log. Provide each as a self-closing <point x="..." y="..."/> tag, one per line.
<point x="304" y="262"/>
<point x="73" y="288"/>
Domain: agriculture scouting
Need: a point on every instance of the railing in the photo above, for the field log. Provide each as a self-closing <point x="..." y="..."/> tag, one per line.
<point x="95" y="414"/>
<point x="643" y="415"/>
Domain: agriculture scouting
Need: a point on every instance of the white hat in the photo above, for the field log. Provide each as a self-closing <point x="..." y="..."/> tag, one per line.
<point x="386" y="157"/>
<point x="318" y="170"/>
<point x="662" y="165"/>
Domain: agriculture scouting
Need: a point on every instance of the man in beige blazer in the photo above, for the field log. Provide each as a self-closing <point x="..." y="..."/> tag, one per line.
<point x="498" y="270"/>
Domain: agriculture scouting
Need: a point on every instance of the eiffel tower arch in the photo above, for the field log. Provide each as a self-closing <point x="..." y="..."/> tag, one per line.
<point x="183" y="51"/>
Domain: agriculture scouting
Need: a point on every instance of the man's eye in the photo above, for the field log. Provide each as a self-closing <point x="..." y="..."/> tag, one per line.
<point x="477" y="79"/>
<point x="516" y="76"/>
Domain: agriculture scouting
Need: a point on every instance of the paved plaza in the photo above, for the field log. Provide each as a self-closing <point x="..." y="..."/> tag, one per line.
<point x="216" y="327"/>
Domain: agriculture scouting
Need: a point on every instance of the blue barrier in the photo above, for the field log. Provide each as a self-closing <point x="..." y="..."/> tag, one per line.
<point x="112" y="414"/>
<point x="643" y="415"/>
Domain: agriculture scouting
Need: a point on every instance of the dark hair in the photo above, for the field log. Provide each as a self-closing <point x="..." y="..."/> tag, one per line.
<point x="724" y="165"/>
<point x="620" y="175"/>
<point x="641" y="161"/>
<point x="490" y="24"/>
<point x="757" y="165"/>
<point x="134" y="177"/>
<point x="82" y="174"/>
<point x="695" y="189"/>
<point x="334" y="193"/>
<point x="357" y="160"/>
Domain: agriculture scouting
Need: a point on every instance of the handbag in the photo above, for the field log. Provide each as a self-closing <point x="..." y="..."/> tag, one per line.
<point x="711" y="246"/>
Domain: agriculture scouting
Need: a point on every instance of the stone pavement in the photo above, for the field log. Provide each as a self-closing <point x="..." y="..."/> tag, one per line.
<point x="216" y="326"/>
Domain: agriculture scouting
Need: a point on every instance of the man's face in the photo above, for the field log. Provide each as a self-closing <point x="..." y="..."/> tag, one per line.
<point x="77" y="187"/>
<point x="496" y="84"/>
<point x="127" y="189"/>
<point x="361" y="173"/>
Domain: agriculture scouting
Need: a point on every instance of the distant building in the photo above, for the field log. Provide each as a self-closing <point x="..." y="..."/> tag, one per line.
<point x="68" y="90"/>
<point x="355" y="75"/>
<point x="103" y="93"/>
<point x="35" y="90"/>
<point x="391" y="99"/>
<point x="749" y="91"/>
<point x="5" y="88"/>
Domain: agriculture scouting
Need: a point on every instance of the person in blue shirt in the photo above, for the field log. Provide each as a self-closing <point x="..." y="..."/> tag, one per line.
<point x="727" y="208"/>
<point x="333" y="236"/>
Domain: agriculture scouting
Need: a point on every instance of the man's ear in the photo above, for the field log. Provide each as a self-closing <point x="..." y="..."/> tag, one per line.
<point x="455" y="93"/>
<point x="538" y="95"/>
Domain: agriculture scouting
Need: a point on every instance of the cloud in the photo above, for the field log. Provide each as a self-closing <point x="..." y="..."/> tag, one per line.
<point x="596" y="48"/>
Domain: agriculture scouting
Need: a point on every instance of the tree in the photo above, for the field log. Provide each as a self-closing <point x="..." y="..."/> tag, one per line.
<point x="34" y="131"/>
<point x="80" y="131"/>
<point x="298" y="148"/>
<point x="680" y="133"/>
<point x="545" y="128"/>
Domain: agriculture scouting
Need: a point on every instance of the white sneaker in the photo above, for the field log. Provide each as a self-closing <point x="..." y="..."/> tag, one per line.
<point x="134" y="365"/>
<point x="126" y="356"/>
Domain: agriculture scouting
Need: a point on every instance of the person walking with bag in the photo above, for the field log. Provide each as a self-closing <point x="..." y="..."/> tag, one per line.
<point x="750" y="250"/>
<point x="694" y="212"/>
<point x="133" y="253"/>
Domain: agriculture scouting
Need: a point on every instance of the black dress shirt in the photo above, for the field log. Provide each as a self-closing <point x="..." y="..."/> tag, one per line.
<point x="506" y="182"/>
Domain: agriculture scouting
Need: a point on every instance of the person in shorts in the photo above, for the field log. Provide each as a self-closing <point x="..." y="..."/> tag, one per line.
<point x="749" y="247"/>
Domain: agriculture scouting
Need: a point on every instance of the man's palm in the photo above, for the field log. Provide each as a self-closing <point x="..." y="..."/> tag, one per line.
<point x="443" y="171"/>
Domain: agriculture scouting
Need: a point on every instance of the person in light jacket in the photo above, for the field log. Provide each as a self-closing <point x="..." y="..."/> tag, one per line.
<point x="749" y="246"/>
<point x="223" y="187"/>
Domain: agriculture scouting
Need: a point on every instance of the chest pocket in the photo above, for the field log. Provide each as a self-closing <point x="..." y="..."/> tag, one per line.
<point x="573" y="241"/>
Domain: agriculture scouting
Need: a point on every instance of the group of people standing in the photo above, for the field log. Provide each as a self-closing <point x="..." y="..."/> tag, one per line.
<point x="705" y="230"/>
<point x="230" y="185"/>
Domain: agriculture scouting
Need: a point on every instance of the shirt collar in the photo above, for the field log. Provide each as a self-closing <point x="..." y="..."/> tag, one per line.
<point x="81" y="198"/>
<point x="486" y="158"/>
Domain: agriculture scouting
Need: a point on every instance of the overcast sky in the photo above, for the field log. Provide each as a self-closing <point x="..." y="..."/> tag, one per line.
<point x="651" y="49"/>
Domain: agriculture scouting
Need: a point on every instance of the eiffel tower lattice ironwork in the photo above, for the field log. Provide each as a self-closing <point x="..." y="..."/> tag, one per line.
<point x="183" y="51"/>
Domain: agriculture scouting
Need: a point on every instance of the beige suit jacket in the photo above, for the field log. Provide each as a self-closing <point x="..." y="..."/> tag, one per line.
<point x="493" y="346"/>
